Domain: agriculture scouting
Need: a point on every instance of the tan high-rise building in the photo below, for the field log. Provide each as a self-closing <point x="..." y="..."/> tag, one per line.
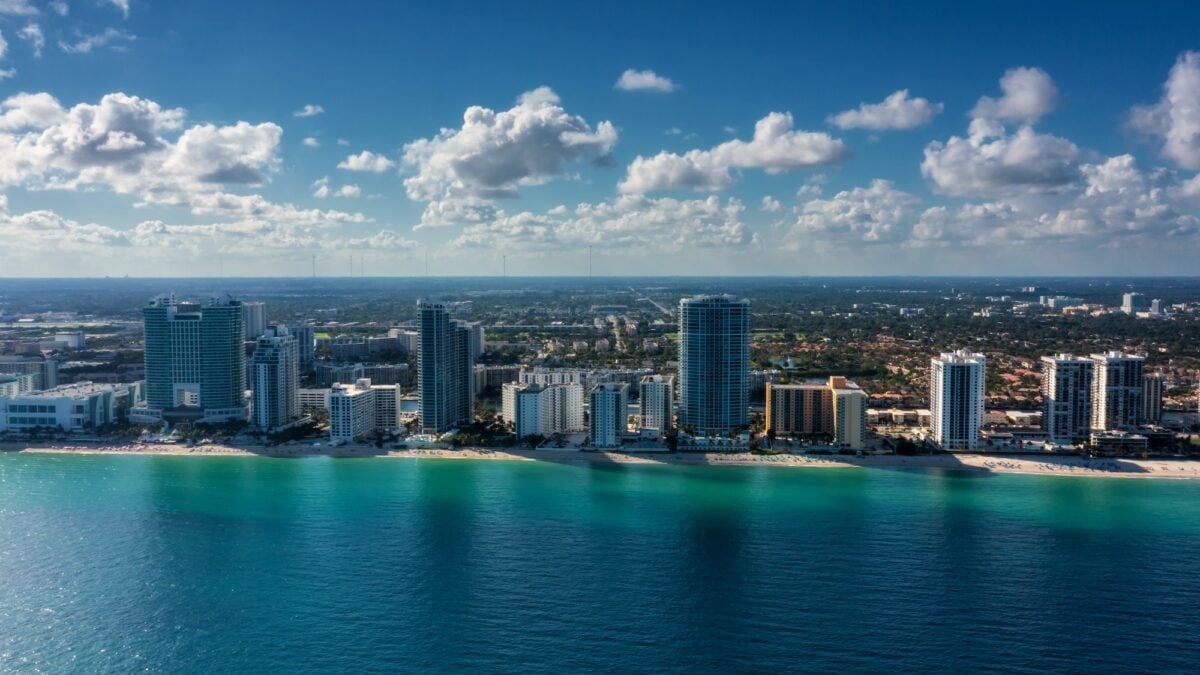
<point x="837" y="408"/>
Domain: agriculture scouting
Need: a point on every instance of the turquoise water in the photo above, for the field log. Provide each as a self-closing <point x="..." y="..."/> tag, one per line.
<point x="248" y="565"/>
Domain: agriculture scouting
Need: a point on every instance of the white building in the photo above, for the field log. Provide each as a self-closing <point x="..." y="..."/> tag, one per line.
<point x="387" y="406"/>
<point x="543" y="409"/>
<point x="254" y="317"/>
<point x="1132" y="303"/>
<point x="45" y="371"/>
<point x="312" y="400"/>
<point x="849" y="413"/>
<point x="609" y="403"/>
<point x="657" y="403"/>
<point x="14" y="385"/>
<point x="1066" y="398"/>
<point x="1117" y="394"/>
<point x="73" y="407"/>
<point x="275" y="380"/>
<point x="956" y="391"/>
<point x="351" y="411"/>
<point x="71" y="339"/>
<point x="548" y="376"/>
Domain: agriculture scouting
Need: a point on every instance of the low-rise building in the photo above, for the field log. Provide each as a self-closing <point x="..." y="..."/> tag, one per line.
<point x="535" y="409"/>
<point x="73" y="407"/>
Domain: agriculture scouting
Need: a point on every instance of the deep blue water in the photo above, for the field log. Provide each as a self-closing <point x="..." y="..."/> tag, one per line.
<point x="162" y="564"/>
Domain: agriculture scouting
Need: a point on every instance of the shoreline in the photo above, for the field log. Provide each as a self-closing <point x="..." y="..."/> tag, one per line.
<point x="1050" y="465"/>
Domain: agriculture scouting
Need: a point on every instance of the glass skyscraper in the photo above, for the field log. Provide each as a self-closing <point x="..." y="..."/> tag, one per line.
<point x="445" y="370"/>
<point x="195" y="360"/>
<point x="714" y="364"/>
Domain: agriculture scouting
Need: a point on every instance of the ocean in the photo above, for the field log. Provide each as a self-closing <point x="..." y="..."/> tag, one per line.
<point x="256" y="565"/>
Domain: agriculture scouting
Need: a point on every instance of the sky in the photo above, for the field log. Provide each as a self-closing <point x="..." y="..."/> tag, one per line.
<point x="156" y="138"/>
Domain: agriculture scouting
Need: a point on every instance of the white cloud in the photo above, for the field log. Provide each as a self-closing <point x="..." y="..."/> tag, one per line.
<point x="992" y="162"/>
<point x="343" y="142"/>
<point x="311" y="142"/>
<point x="1029" y="93"/>
<point x="776" y="147"/>
<point x="876" y="214"/>
<point x="770" y="205"/>
<point x="309" y="110"/>
<point x="897" y="111"/>
<point x="122" y="5"/>
<point x="1176" y="118"/>
<point x="32" y="34"/>
<point x="60" y="7"/>
<point x="366" y="161"/>
<point x="5" y="74"/>
<point x="110" y="37"/>
<point x="17" y="8"/>
<point x="634" y="223"/>
<point x="644" y="80"/>
<point x="323" y="190"/>
<point x="494" y="153"/>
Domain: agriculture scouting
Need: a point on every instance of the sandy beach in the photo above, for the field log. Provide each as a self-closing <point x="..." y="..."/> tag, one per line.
<point x="1056" y="465"/>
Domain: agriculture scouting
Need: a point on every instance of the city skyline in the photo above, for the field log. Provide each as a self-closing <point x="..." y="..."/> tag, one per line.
<point x="766" y="155"/>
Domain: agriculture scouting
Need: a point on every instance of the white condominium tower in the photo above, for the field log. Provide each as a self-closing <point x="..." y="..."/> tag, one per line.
<point x="1117" y="394"/>
<point x="543" y="409"/>
<point x="275" y="379"/>
<point x="254" y="315"/>
<point x="714" y="364"/>
<point x="608" y="405"/>
<point x="956" y="390"/>
<point x="657" y="403"/>
<point x="1066" y="398"/>
<point x="444" y="370"/>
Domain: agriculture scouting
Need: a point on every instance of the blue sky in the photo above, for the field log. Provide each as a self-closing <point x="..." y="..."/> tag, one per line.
<point x="163" y="138"/>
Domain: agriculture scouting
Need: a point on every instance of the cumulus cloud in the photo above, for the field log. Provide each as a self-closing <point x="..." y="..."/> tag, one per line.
<point x="322" y="189"/>
<point x="770" y="205"/>
<point x="17" y="8"/>
<point x="134" y="146"/>
<point x="309" y="110"/>
<point x="990" y="161"/>
<point x="366" y="161"/>
<point x="311" y="142"/>
<point x="32" y="34"/>
<point x="59" y="7"/>
<point x="644" y="80"/>
<point x="897" y="111"/>
<point x="875" y="214"/>
<point x="3" y="46"/>
<point x="122" y="5"/>
<point x="494" y="153"/>
<point x="1029" y="93"/>
<point x="1176" y="117"/>
<point x="111" y="38"/>
<point x="631" y="222"/>
<point x="776" y="147"/>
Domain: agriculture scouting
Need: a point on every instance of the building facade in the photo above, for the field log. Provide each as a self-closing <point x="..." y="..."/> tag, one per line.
<point x="254" y="319"/>
<point x="1153" y="387"/>
<point x="44" y="370"/>
<point x="445" y="370"/>
<point x="275" y="379"/>
<point x="543" y="410"/>
<point x="608" y="408"/>
<point x="82" y="406"/>
<point x="351" y="411"/>
<point x="956" y="397"/>
<point x="656" y="406"/>
<point x="836" y="408"/>
<point x="1117" y="395"/>
<point x="714" y="365"/>
<point x="195" y="362"/>
<point x="1066" y="398"/>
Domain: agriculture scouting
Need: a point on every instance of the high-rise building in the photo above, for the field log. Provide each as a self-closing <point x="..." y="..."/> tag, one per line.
<point x="351" y="411"/>
<point x="849" y="413"/>
<point x="254" y="315"/>
<point x="275" y="379"/>
<point x="195" y="361"/>
<point x="444" y="370"/>
<point x="1153" y="386"/>
<point x="478" y="339"/>
<point x="543" y="409"/>
<point x="837" y="408"/>
<point x="1066" y="398"/>
<point x="1131" y="303"/>
<point x="714" y="364"/>
<point x="608" y="410"/>
<point x="44" y="370"/>
<point x="306" y="342"/>
<point x="956" y="393"/>
<point x="1117" y="394"/>
<point x="657" y="403"/>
